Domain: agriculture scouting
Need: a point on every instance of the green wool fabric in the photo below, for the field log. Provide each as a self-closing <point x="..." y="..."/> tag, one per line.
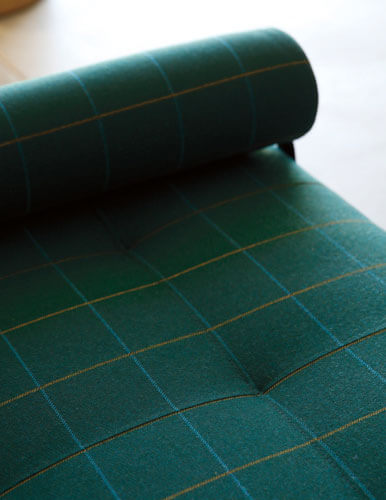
<point x="213" y="332"/>
<point x="85" y="131"/>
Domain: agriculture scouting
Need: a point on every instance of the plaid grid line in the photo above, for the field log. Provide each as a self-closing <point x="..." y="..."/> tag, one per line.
<point x="169" y="224"/>
<point x="272" y="277"/>
<point x="230" y="49"/>
<point x="164" y="280"/>
<point x="172" y="414"/>
<point x="151" y="101"/>
<point x="187" y="216"/>
<point x="192" y="335"/>
<point x="22" y="158"/>
<point x="116" y="436"/>
<point x="280" y="453"/>
<point x="307" y="220"/>
<point x="178" y="111"/>
<point x="101" y="128"/>
<point x="261" y="184"/>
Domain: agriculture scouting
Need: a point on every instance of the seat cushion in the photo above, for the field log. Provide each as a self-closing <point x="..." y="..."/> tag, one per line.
<point x="216" y="334"/>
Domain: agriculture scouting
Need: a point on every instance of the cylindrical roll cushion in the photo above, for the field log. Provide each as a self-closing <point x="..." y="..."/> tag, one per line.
<point x="78" y="133"/>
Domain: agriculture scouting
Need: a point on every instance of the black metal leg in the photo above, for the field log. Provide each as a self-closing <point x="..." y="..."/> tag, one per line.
<point x="288" y="147"/>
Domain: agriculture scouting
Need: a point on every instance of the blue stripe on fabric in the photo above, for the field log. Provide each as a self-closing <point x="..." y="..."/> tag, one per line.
<point x="234" y="243"/>
<point x="259" y="182"/>
<point x="340" y="463"/>
<point x="74" y="287"/>
<point x="52" y="405"/>
<point x="177" y="106"/>
<point x="62" y="420"/>
<point x="198" y="314"/>
<point x="22" y="157"/>
<point x="101" y="128"/>
<point x="192" y="428"/>
<point x="239" y="364"/>
<point x="141" y="367"/>
<point x="247" y="81"/>
<point x="279" y="284"/>
<point x="310" y="222"/>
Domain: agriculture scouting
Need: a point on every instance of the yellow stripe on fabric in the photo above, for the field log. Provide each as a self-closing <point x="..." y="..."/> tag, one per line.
<point x="60" y="261"/>
<point x="164" y="226"/>
<point x="184" y="410"/>
<point x="152" y="101"/>
<point x="180" y="273"/>
<point x="123" y="433"/>
<point x="323" y="356"/>
<point x="182" y="338"/>
<point x="220" y="204"/>
<point x="275" y="455"/>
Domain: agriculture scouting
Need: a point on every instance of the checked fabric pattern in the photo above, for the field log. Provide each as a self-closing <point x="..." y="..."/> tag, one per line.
<point x="218" y="334"/>
<point x="83" y="132"/>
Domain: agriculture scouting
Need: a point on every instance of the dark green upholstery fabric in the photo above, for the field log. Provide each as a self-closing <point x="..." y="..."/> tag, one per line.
<point x="216" y="333"/>
<point x="82" y="132"/>
<point x="159" y="350"/>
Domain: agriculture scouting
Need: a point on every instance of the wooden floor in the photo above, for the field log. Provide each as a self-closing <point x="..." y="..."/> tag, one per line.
<point x="344" y="39"/>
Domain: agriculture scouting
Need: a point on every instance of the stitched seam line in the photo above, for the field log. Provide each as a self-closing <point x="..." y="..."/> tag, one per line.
<point x="120" y="434"/>
<point x="184" y="410"/>
<point x="60" y="261"/>
<point x="178" y="339"/>
<point x="320" y="358"/>
<point x="164" y="226"/>
<point x="219" y="204"/>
